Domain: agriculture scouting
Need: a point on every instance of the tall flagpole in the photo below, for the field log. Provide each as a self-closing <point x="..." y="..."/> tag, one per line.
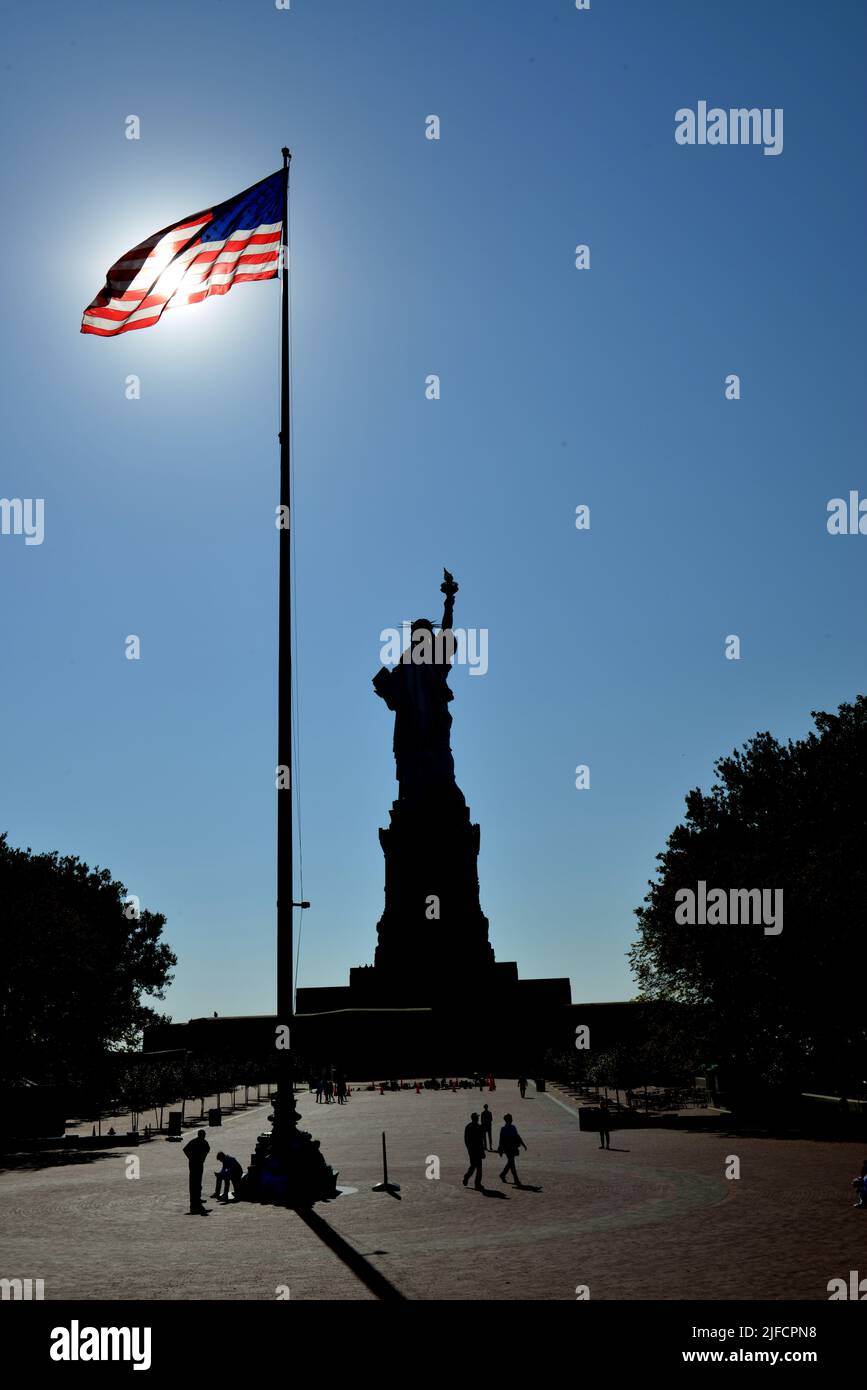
<point x="288" y="1167"/>
<point x="285" y="1001"/>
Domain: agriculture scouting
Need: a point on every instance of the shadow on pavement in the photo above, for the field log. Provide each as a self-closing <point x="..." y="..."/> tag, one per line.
<point x="372" y="1279"/>
<point x="53" y="1158"/>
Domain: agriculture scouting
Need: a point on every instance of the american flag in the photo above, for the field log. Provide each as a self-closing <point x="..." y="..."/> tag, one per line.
<point x="204" y="254"/>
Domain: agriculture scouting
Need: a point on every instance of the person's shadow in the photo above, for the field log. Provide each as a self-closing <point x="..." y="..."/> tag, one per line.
<point x="526" y="1187"/>
<point x="489" y="1192"/>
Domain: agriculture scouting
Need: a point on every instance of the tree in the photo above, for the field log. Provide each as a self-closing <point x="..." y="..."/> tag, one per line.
<point x="134" y="1088"/>
<point x="167" y="1086"/>
<point x="674" y="1043"/>
<point x="616" y="1067"/>
<point x="785" y="1008"/>
<point x="77" y="961"/>
<point x="195" y="1082"/>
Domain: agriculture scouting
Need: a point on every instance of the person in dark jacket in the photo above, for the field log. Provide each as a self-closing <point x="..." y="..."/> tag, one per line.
<point x="604" y="1125"/>
<point x="231" y="1172"/>
<point x="197" y="1151"/>
<point x="474" y="1139"/>
<point x="509" y="1147"/>
<point x="487" y="1124"/>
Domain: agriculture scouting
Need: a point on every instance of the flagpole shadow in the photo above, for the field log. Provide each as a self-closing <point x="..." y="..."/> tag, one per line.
<point x="379" y="1286"/>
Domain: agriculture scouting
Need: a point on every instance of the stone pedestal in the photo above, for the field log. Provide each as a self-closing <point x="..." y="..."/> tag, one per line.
<point x="432" y="936"/>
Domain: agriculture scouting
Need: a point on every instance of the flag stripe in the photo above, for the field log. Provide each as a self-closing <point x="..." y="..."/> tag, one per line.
<point x="119" y="310"/>
<point x="205" y="254"/>
<point x="130" y="313"/>
<point x="103" y="330"/>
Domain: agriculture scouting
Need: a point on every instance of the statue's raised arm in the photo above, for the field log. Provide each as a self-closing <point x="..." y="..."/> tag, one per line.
<point x="449" y="588"/>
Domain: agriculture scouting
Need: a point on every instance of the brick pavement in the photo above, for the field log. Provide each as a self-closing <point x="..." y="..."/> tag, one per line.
<point x="653" y="1218"/>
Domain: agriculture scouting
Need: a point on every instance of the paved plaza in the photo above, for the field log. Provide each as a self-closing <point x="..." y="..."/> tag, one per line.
<point x="654" y="1218"/>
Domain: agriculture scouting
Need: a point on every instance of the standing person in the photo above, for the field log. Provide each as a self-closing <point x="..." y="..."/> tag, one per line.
<point x="231" y="1172"/>
<point x="522" y="1086"/>
<point x="197" y="1151"/>
<point x="509" y="1147"/>
<point x="604" y="1122"/>
<point x="474" y="1139"/>
<point x="487" y="1121"/>
<point x="329" y="1092"/>
<point x="341" y="1091"/>
<point x="320" y="1087"/>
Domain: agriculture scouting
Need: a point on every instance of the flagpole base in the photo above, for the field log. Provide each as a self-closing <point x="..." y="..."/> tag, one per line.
<point x="288" y="1168"/>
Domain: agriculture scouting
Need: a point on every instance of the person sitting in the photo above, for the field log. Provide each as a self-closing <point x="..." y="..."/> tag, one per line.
<point x="231" y="1172"/>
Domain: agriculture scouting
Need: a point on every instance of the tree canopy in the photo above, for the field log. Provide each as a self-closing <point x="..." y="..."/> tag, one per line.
<point x="77" y="959"/>
<point x="787" y="1008"/>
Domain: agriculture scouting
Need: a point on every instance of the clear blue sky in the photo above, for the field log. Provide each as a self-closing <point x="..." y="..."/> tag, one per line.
<point x="559" y="387"/>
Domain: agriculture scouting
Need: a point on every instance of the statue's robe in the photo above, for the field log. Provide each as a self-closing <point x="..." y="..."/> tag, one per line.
<point x="419" y="696"/>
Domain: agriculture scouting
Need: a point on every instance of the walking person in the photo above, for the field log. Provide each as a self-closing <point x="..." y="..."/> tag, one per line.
<point x="487" y="1123"/>
<point x="341" y="1091"/>
<point x="197" y="1151"/>
<point x="509" y="1146"/>
<point x="604" y="1122"/>
<point x="860" y="1186"/>
<point x="474" y="1139"/>
<point x="320" y="1087"/>
<point x="522" y="1086"/>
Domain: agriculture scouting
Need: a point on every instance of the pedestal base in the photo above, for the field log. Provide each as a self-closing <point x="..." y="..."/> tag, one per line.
<point x="288" y="1168"/>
